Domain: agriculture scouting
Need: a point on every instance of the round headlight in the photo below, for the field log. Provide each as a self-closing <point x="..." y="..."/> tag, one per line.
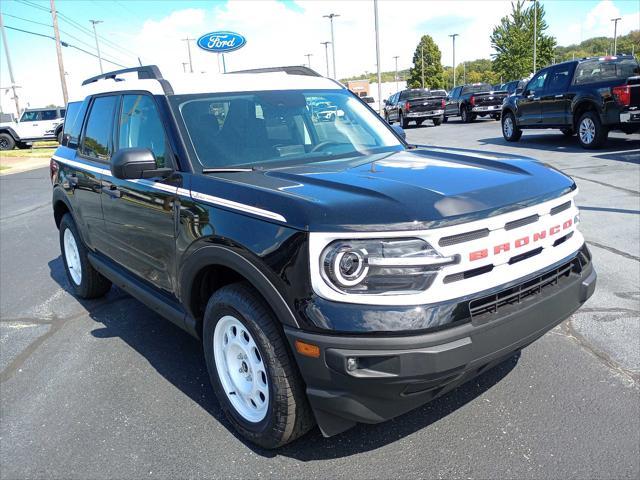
<point x="347" y="267"/>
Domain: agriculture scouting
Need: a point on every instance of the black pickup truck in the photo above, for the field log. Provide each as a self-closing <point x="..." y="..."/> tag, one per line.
<point x="590" y="97"/>
<point x="473" y="100"/>
<point x="416" y="104"/>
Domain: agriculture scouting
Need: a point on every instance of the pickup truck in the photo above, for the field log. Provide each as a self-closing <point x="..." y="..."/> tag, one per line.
<point x="473" y="100"/>
<point x="416" y="104"/>
<point x="590" y="97"/>
<point x="35" y="124"/>
<point x="332" y="272"/>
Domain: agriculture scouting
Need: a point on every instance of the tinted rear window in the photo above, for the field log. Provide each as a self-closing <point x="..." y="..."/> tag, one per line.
<point x="73" y="122"/>
<point x="483" y="87"/>
<point x="97" y="134"/>
<point x="49" y="114"/>
<point x="593" y="71"/>
<point x="409" y="94"/>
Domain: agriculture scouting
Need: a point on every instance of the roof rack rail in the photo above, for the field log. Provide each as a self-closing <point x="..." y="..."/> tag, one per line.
<point x="146" y="72"/>
<point x="289" y="70"/>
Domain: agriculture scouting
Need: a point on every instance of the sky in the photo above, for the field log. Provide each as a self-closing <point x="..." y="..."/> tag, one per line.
<point x="278" y="32"/>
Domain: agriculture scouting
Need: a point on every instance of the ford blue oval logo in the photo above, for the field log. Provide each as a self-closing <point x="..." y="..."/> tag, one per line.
<point x="221" y="42"/>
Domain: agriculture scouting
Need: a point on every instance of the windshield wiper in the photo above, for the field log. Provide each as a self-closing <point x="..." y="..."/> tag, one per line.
<point x="227" y="170"/>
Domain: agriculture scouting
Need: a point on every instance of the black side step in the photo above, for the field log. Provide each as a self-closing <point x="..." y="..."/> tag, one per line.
<point x="163" y="306"/>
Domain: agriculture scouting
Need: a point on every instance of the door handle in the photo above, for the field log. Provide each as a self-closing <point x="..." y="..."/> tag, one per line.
<point x="559" y="96"/>
<point x="112" y="191"/>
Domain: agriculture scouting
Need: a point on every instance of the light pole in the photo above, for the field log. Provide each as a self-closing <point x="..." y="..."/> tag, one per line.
<point x="189" y="50"/>
<point x="396" y="59"/>
<point x="308" y="55"/>
<point x="331" y="16"/>
<point x="326" y="54"/>
<point x="184" y="67"/>
<point x="375" y="14"/>
<point x="615" y="34"/>
<point x="13" y="82"/>
<point x="95" y="34"/>
<point x="535" y="33"/>
<point x="453" y="37"/>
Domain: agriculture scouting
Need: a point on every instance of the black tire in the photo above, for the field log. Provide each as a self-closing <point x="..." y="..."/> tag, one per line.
<point x="445" y="119"/>
<point x="495" y="117"/>
<point x="513" y="134"/>
<point x="404" y="123"/>
<point x="92" y="284"/>
<point x="568" y="132"/>
<point x="436" y="122"/>
<point x="6" y="142"/>
<point x="288" y="413"/>
<point x="386" y="117"/>
<point x="598" y="133"/>
<point x="419" y="122"/>
<point x="59" y="137"/>
<point x="465" y="115"/>
<point x="22" y="145"/>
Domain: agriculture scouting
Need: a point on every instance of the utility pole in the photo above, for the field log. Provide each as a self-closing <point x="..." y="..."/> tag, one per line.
<point x="10" y="68"/>
<point x="375" y="15"/>
<point x="63" y="80"/>
<point x="422" y="60"/>
<point x="309" y="55"/>
<point x="396" y="59"/>
<point x="453" y="37"/>
<point x="189" y="50"/>
<point x="95" y="34"/>
<point x="615" y="34"/>
<point x="464" y="73"/>
<point x="326" y="54"/>
<point x="535" y="33"/>
<point x="331" y="16"/>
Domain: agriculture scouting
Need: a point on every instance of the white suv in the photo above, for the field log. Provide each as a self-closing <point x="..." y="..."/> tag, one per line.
<point x="35" y="124"/>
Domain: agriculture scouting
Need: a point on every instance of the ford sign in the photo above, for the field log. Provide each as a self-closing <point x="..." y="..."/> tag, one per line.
<point x="221" y="42"/>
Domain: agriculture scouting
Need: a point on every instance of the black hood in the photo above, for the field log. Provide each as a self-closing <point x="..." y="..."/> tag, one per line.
<point x="412" y="189"/>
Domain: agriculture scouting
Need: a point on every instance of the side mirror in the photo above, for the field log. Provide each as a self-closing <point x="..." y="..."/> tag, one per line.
<point x="519" y="90"/>
<point x="400" y="131"/>
<point x="135" y="163"/>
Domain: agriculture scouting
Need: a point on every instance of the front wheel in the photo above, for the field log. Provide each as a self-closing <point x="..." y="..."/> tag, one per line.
<point x="591" y="133"/>
<point x="510" y="131"/>
<point x="252" y="372"/>
<point x="6" y="142"/>
<point x="437" y="122"/>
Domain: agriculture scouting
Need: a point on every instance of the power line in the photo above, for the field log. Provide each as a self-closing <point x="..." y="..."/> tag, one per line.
<point x="26" y="19"/>
<point x="64" y="44"/>
<point x="34" y="5"/>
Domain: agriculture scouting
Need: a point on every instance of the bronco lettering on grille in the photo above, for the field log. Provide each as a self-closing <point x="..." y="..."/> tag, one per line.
<point x="520" y="242"/>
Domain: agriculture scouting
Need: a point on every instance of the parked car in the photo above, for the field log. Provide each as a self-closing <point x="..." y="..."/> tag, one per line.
<point x="332" y="275"/>
<point x="589" y="97"/>
<point x="35" y="124"/>
<point x="515" y="86"/>
<point x="415" y="104"/>
<point x="473" y="100"/>
<point x="324" y="112"/>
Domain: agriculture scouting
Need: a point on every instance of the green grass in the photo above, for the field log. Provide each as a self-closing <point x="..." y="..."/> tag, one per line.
<point x="39" y="150"/>
<point x="2" y="167"/>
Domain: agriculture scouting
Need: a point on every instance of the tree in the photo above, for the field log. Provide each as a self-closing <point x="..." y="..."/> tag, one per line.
<point x="513" y="42"/>
<point x="428" y="52"/>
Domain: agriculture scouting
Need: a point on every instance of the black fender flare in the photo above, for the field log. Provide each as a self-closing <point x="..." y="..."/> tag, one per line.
<point x="11" y="132"/>
<point x="219" y="255"/>
<point x="577" y="105"/>
<point x="59" y="195"/>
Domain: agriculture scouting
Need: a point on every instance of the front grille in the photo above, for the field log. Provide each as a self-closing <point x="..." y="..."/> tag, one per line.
<point x="491" y="304"/>
<point x="560" y="208"/>
<point x="456" y="277"/>
<point x="463" y="237"/>
<point x="522" y="222"/>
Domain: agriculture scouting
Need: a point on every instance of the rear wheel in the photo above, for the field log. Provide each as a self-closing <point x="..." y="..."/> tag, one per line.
<point x="591" y="133"/>
<point x="6" y="142"/>
<point x="437" y="121"/>
<point x="252" y="372"/>
<point x="419" y="122"/>
<point x="465" y="115"/>
<point x="445" y="119"/>
<point x="510" y="131"/>
<point x="59" y="137"/>
<point x="404" y="123"/>
<point x="85" y="281"/>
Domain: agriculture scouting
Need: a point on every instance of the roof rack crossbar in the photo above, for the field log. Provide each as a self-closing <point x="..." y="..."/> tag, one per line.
<point x="289" y="70"/>
<point x="146" y="72"/>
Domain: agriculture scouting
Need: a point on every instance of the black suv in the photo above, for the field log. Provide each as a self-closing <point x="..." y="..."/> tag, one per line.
<point x="334" y="273"/>
<point x="589" y="97"/>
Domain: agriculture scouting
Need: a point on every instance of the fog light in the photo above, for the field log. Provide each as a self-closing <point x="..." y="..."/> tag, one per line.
<point x="352" y="364"/>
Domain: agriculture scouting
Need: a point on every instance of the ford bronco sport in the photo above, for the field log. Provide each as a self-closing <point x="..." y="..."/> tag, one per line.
<point x="334" y="273"/>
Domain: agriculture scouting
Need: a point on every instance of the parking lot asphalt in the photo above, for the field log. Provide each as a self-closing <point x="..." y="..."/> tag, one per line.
<point x="107" y="389"/>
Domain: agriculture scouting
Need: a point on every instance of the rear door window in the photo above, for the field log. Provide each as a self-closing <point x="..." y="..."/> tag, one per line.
<point x="96" y="142"/>
<point x="49" y="114"/>
<point x="560" y="78"/>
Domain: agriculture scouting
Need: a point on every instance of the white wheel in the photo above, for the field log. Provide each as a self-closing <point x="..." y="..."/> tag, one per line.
<point x="72" y="256"/>
<point x="587" y="130"/>
<point x="507" y="127"/>
<point x="241" y="369"/>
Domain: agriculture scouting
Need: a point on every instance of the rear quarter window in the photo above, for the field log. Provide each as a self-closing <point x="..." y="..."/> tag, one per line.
<point x="73" y="123"/>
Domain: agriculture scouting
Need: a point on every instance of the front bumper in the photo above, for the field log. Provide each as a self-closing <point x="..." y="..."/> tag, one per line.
<point x="395" y="374"/>
<point x="427" y="114"/>
<point x="486" y="109"/>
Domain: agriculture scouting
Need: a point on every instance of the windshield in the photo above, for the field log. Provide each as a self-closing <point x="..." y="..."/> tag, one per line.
<point x="250" y="129"/>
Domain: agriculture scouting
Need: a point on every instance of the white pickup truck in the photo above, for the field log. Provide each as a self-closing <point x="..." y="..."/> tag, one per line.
<point x="34" y="125"/>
